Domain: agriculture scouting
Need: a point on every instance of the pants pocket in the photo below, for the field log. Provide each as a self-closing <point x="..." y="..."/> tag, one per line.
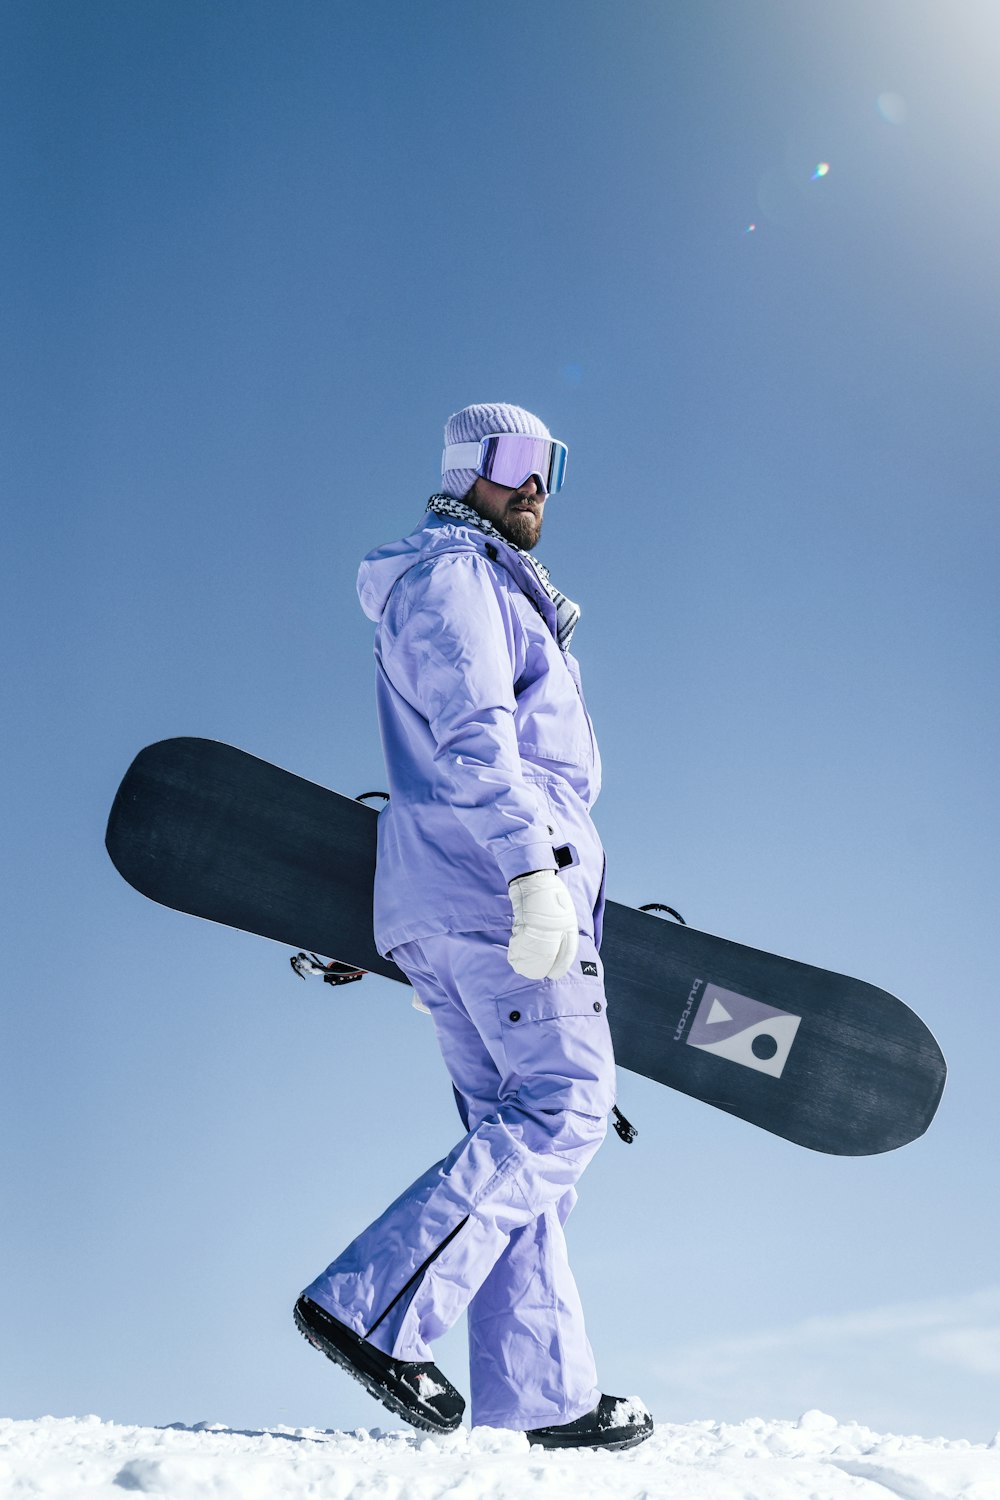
<point x="556" y="1039"/>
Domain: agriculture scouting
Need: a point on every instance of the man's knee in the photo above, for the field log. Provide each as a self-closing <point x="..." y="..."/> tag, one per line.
<point x="566" y="1132"/>
<point x="555" y="1148"/>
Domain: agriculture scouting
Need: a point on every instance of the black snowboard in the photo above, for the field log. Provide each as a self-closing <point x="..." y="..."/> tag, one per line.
<point x="826" y="1061"/>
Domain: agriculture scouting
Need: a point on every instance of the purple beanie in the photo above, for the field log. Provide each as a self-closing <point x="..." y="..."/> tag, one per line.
<point x="475" y="422"/>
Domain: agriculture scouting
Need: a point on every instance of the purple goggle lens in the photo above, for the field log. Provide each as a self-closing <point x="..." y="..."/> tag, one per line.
<point x="509" y="458"/>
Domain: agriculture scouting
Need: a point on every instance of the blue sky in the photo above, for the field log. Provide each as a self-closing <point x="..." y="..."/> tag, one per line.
<point x="254" y="255"/>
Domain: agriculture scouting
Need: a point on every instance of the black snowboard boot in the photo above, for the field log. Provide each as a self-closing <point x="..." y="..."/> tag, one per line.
<point x="615" y="1422"/>
<point x="417" y="1392"/>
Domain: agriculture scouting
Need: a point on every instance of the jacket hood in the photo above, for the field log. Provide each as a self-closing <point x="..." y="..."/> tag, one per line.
<point x="382" y="569"/>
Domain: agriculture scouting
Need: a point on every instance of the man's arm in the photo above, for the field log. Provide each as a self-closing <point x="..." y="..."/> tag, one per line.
<point x="448" y="646"/>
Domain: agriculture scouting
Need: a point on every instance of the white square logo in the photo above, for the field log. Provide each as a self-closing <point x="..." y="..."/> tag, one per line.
<point x="743" y="1030"/>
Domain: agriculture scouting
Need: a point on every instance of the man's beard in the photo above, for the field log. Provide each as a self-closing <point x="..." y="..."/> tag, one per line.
<point x="522" y="530"/>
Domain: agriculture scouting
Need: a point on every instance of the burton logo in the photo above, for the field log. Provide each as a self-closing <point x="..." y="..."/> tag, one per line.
<point x="743" y="1030"/>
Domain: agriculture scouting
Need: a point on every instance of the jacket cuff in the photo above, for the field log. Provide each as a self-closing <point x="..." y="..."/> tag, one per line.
<point x="525" y="857"/>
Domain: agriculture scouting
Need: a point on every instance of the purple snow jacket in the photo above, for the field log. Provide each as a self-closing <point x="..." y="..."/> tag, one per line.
<point x="489" y="749"/>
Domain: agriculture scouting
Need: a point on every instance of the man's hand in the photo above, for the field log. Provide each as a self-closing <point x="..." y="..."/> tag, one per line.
<point x="544" y="940"/>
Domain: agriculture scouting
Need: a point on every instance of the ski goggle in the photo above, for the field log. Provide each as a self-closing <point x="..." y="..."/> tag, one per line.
<point x="509" y="458"/>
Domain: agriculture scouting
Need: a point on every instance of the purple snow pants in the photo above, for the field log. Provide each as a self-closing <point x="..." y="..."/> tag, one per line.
<point x="482" y="1230"/>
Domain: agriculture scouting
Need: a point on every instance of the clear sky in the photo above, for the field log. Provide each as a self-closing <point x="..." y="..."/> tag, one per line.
<point x="253" y="255"/>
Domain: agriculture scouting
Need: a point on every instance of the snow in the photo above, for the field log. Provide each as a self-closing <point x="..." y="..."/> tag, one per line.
<point x="815" y="1458"/>
<point x="429" y="1388"/>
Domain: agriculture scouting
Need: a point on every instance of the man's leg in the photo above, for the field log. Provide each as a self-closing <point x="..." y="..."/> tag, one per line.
<point x="528" y="1347"/>
<point x="527" y="1341"/>
<point x="408" y="1277"/>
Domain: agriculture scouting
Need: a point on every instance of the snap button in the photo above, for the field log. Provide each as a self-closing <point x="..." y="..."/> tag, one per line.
<point x="515" y="1015"/>
<point x="597" y="1004"/>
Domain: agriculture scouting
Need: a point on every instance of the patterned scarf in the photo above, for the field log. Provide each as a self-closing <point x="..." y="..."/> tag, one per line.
<point x="567" y="613"/>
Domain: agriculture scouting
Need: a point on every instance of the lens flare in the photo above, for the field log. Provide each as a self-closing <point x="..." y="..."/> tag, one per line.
<point x="821" y="170"/>
<point x="892" y="107"/>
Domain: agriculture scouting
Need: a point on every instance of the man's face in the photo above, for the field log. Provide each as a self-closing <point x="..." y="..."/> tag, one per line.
<point x="516" y="514"/>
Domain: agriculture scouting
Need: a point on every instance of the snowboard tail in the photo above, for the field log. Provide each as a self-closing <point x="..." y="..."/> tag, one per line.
<point x="829" y="1062"/>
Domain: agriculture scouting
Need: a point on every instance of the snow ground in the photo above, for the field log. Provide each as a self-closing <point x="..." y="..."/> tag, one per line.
<point x="816" y="1458"/>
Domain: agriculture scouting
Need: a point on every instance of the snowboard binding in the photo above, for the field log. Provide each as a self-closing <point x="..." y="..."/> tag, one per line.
<point x="333" y="972"/>
<point x="669" y="910"/>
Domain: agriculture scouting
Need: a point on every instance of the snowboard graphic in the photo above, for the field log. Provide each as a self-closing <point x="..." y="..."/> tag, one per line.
<point x="826" y="1061"/>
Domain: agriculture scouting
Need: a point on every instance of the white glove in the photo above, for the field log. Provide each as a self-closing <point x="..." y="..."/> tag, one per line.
<point x="545" y="936"/>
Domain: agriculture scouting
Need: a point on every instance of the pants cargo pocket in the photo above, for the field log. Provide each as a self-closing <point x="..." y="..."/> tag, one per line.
<point x="556" y="1039"/>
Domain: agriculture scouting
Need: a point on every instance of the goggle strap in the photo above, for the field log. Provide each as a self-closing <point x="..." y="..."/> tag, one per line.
<point x="461" y="456"/>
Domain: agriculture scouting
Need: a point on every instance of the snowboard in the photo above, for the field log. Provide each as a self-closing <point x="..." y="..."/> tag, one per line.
<point x="829" y="1062"/>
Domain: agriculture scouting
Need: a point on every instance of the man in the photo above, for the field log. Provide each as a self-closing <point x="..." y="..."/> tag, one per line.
<point x="489" y="894"/>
